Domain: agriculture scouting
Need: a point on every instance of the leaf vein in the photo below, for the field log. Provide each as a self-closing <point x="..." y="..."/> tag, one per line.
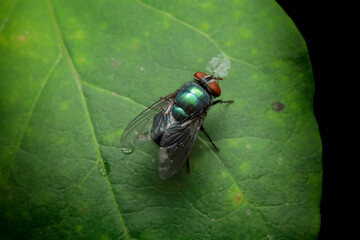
<point x="36" y="101"/>
<point x="192" y="205"/>
<point x="176" y="19"/>
<point x="235" y="182"/>
<point x="66" y="212"/>
<point x="112" y="93"/>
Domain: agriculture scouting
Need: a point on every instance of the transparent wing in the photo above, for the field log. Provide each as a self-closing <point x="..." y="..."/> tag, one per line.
<point x="139" y="130"/>
<point x="176" y="145"/>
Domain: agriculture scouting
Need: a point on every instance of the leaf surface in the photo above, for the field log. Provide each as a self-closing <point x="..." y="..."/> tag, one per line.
<point x="75" y="73"/>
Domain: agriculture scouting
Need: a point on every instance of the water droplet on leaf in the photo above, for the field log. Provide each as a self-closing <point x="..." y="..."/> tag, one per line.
<point x="104" y="168"/>
<point x="127" y="150"/>
<point x="102" y="171"/>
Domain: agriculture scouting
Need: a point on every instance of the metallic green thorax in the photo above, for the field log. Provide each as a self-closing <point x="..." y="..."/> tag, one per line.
<point x="191" y="99"/>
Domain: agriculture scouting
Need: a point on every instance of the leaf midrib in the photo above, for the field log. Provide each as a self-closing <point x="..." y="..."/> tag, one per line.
<point x="77" y="79"/>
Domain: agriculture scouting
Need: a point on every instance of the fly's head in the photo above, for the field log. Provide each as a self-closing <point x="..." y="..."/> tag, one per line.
<point x="208" y="82"/>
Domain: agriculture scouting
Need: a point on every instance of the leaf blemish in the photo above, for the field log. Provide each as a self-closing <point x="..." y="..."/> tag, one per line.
<point x="277" y="106"/>
<point x="238" y="197"/>
<point x="115" y="62"/>
<point x="220" y="65"/>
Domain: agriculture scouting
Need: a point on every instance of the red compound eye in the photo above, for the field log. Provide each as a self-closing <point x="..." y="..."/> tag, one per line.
<point x="215" y="89"/>
<point x="200" y="75"/>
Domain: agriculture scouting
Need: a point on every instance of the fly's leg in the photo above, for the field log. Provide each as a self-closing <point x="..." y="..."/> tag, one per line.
<point x="203" y="129"/>
<point x="207" y="135"/>
<point x="221" y="101"/>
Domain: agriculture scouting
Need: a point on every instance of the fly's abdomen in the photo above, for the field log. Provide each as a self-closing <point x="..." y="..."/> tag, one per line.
<point x="191" y="99"/>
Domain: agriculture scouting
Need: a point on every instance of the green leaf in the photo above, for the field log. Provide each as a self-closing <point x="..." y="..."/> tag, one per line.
<point x="75" y="73"/>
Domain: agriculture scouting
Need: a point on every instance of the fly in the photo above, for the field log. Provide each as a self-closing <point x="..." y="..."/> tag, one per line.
<point x="174" y="121"/>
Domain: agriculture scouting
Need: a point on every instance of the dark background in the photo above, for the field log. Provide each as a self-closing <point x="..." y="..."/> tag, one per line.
<point x="317" y="21"/>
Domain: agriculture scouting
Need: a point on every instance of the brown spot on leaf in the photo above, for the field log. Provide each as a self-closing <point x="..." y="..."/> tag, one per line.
<point x="115" y="62"/>
<point x="277" y="106"/>
<point x="82" y="211"/>
<point x="238" y="197"/>
<point x="22" y="37"/>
